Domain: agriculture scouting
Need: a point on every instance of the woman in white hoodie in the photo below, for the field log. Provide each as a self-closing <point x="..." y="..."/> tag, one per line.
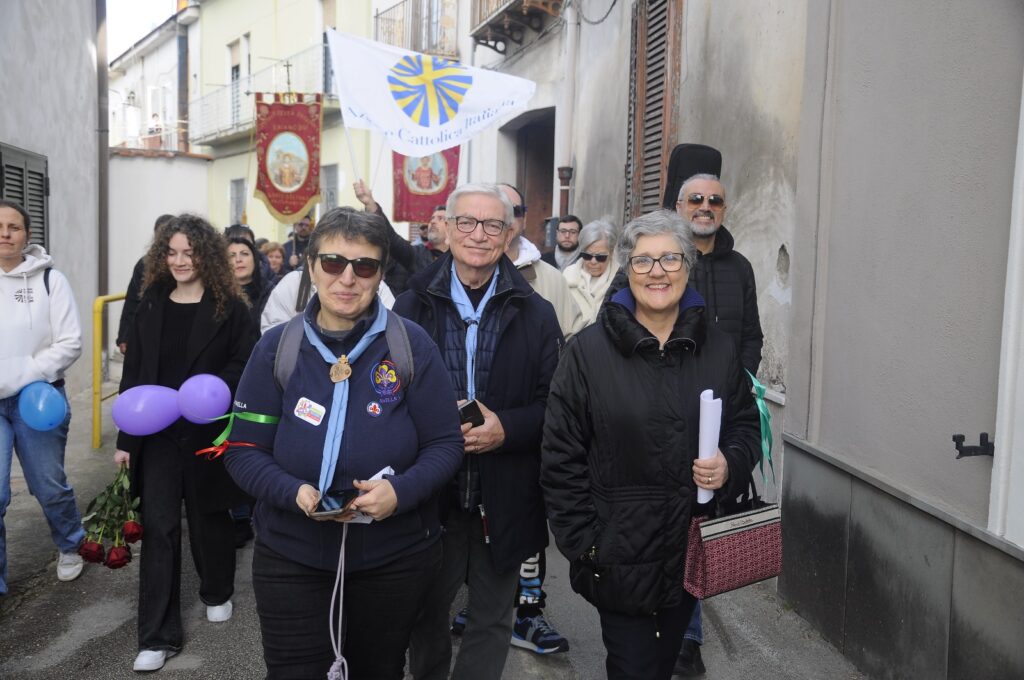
<point x="590" y="275"/>
<point x="39" y="340"/>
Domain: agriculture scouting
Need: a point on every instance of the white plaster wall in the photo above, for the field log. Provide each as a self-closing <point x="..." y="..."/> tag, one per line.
<point x="896" y="344"/>
<point x="50" y="108"/>
<point x="142" y="189"/>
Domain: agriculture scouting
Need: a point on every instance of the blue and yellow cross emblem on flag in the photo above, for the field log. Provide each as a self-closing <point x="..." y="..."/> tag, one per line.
<point x="429" y="90"/>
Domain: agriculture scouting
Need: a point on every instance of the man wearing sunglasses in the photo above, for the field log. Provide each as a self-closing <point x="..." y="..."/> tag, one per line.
<point x="545" y="279"/>
<point x="725" y="280"/>
<point x="500" y="345"/>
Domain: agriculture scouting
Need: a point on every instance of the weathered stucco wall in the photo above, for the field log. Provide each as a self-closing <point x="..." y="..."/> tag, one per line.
<point x="907" y="158"/>
<point x="49" y="108"/>
<point x="142" y="189"/>
<point x="740" y="93"/>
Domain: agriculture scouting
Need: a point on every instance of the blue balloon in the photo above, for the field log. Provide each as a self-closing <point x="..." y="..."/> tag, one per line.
<point x="42" y="406"/>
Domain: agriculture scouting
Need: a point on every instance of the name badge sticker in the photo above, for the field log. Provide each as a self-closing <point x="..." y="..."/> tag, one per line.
<point x="310" y="411"/>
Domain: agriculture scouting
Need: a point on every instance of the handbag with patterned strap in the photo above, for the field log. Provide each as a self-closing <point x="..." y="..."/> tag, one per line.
<point x="744" y="547"/>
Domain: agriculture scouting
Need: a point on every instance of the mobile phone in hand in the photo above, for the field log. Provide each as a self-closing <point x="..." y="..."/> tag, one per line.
<point x="470" y="413"/>
<point x="335" y="503"/>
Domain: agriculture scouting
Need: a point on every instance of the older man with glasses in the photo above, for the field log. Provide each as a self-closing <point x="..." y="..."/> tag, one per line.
<point x="500" y="344"/>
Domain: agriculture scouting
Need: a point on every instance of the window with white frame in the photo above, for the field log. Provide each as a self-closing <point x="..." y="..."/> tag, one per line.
<point x="237" y="201"/>
<point x="328" y="187"/>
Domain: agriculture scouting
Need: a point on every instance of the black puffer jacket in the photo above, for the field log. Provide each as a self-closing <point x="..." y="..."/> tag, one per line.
<point x="726" y="281"/>
<point x="620" y="437"/>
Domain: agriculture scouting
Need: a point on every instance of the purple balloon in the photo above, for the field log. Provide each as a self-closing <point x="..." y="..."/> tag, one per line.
<point x="203" y="398"/>
<point x="146" y="409"/>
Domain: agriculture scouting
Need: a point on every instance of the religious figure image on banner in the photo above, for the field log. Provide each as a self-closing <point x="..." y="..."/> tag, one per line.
<point x="288" y="153"/>
<point x="287" y="162"/>
<point x="422" y="183"/>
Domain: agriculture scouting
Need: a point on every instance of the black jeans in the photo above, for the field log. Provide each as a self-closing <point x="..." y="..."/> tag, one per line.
<point x="381" y="605"/>
<point x="644" y="647"/>
<point x="169" y="473"/>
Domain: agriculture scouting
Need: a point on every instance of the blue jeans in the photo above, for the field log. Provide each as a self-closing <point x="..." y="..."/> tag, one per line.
<point x="42" y="460"/>
<point x="695" y="631"/>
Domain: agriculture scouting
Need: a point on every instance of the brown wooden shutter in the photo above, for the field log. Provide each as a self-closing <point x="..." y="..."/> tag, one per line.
<point x="653" y="101"/>
<point x="24" y="180"/>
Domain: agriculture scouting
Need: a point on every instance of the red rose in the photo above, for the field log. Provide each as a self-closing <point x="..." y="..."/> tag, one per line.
<point x="91" y="551"/>
<point x="118" y="556"/>
<point x="132" y="531"/>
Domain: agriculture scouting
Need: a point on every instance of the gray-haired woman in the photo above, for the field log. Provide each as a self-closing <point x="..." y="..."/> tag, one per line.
<point x="619" y="460"/>
<point x="591" y="274"/>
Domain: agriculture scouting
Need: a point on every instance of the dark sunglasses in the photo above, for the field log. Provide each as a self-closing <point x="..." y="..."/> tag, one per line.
<point x="363" y="267"/>
<point x="592" y="256"/>
<point x="714" y="200"/>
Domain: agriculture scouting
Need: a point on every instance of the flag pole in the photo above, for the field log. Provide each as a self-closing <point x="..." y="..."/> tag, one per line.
<point x="351" y="149"/>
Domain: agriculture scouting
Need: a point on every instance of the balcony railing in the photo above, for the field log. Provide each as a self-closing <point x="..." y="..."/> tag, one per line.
<point x="496" y="23"/>
<point x="164" y="137"/>
<point x="229" y="110"/>
<point x="484" y="9"/>
<point x="427" y="26"/>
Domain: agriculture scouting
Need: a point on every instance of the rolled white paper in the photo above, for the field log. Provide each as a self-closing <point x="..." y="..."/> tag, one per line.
<point x="707" y="439"/>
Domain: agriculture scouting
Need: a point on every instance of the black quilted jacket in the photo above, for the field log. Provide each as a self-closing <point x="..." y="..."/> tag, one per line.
<point x="620" y="436"/>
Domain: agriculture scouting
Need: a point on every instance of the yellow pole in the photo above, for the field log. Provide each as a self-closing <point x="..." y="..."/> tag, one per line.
<point x="97" y="363"/>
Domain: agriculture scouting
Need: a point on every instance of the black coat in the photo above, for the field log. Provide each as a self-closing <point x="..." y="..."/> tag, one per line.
<point x="726" y="281"/>
<point x="620" y="437"/>
<point x="517" y="388"/>
<point x="220" y="347"/>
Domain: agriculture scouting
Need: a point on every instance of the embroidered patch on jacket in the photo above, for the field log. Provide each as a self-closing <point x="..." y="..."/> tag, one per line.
<point x="374" y="409"/>
<point x="386" y="382"/>
<point x="310" y="411"/>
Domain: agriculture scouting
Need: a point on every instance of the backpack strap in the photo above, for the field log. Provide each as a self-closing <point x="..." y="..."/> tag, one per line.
<point x="287" y="354"/>
<point x="46" y="279"/>
<point x="398" y="344"/>
<point x="287" y="351"/>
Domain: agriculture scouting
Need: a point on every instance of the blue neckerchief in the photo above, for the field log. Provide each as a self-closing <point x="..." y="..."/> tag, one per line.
<point x="471" y="317"/>
<point x="339" y="404"/>
<point x="691" y="298"/>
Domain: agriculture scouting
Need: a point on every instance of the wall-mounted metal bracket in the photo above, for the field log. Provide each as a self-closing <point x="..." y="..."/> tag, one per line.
<point x="984" y="447"/>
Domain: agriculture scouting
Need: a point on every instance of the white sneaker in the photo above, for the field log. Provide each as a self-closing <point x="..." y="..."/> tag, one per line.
<point x="219" y="613"/>
<point x="69" y="566"/>
<point x="152" y="659"/>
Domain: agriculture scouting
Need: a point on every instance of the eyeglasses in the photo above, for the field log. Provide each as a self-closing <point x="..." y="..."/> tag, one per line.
<point x="568" y="232"/>
<point x="594" y="256"/>
<point x="334" y="264"/>
<point x="467" y="225"/>
<point x="643" y="264"/>
<point x="518" y="210"/>
<point x="696" y="200"/>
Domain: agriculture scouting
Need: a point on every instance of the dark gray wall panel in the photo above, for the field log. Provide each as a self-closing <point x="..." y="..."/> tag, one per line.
<point x="899" y="576"/>
<point x="815" y="506"/>
<point x="987" y="633"/>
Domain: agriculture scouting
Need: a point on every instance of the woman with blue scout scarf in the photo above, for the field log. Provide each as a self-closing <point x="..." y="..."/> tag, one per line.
<point x="346" y="414"/>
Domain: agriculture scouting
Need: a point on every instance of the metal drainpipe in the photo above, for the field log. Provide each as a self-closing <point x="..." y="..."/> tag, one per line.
<point x="564" y="113"/>
<point x="182" y="88"/>
<point x="103" y="142"/>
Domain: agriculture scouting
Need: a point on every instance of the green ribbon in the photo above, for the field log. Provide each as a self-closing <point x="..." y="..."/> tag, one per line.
<point x="766" y="428"/>
<point x="244" y="415"/>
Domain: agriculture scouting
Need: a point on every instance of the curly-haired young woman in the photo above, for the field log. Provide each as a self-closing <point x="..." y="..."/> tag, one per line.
<point x="192" y="319"/>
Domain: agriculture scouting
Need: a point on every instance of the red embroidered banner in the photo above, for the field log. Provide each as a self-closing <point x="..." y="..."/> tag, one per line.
<point x="288" y="153"/>
<point x="423" y="182"/>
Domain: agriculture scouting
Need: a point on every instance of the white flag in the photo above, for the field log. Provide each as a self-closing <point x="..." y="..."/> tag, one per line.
<point x="422" y="104"/>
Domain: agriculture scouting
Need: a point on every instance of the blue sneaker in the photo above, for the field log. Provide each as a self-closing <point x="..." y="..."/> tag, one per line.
<point x="536" y="634"/>
<point x="459" y="622"/>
